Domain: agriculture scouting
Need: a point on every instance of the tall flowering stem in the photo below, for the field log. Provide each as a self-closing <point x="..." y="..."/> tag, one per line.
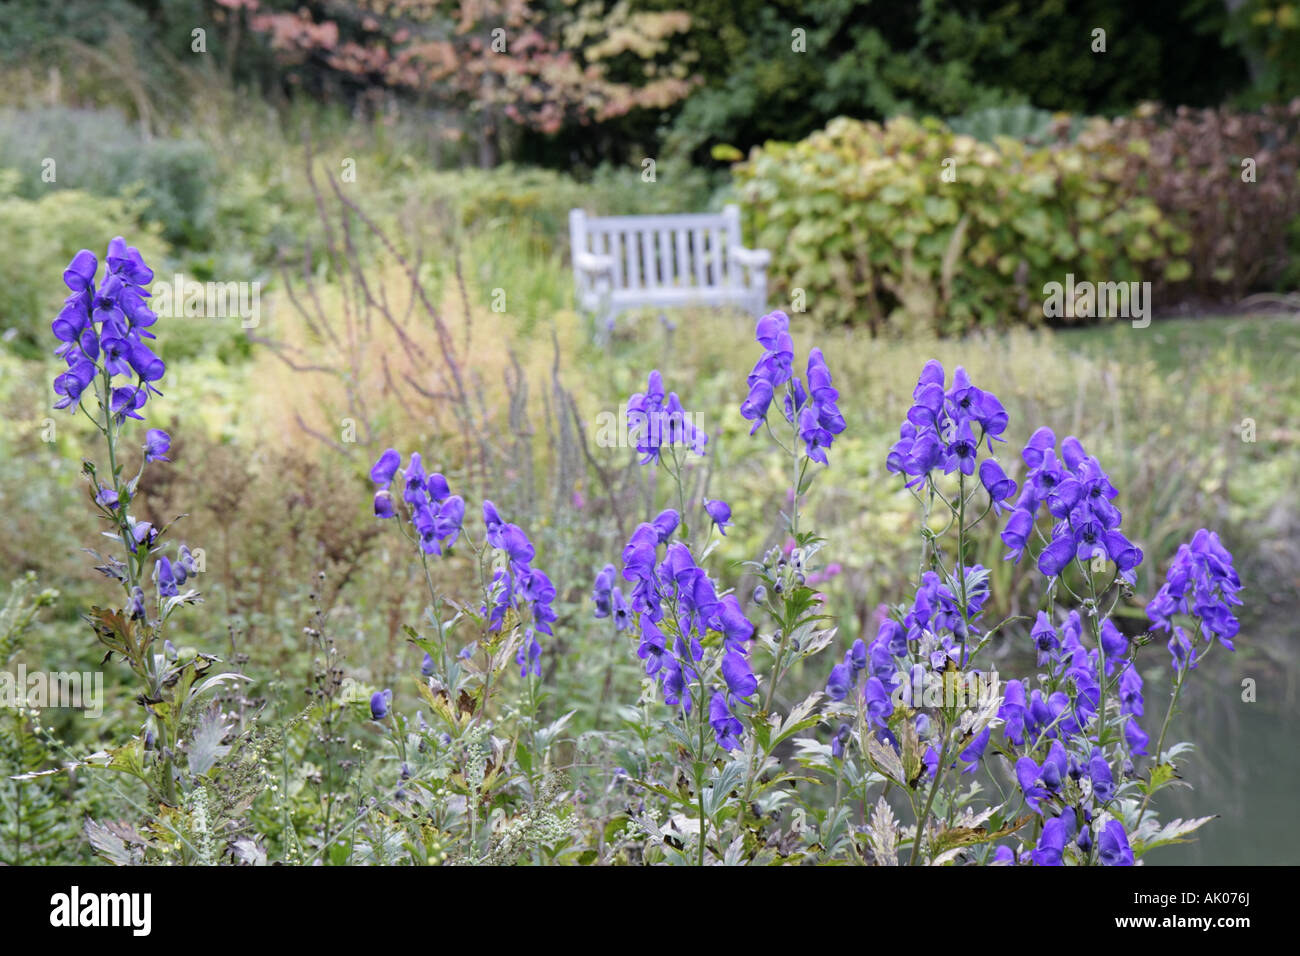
<point x="102" y="330"/>
<point x="814" y="418"/>
<point x="1201" y="584"/>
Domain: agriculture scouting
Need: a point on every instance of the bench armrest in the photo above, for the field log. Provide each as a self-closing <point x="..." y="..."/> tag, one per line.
<point x="754" y="258"/>
<point x="590" y="262"/>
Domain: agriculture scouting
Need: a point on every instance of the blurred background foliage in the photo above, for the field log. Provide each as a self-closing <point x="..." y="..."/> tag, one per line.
<point x="735" y="75"/>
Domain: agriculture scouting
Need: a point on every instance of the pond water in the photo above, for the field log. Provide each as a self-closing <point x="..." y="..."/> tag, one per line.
<point x="1245" y="768"/>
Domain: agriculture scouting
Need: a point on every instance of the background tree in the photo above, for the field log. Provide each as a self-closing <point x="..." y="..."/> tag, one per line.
<point x="502" y="63"/>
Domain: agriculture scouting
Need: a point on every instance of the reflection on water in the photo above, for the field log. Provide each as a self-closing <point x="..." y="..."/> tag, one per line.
<point x="1245" y="769"/>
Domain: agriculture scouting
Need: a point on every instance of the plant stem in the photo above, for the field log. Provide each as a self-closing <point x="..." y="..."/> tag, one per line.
<point x="776" y="669"/>
<point x="437" y="618"/>
<point x="929" y="802"/>
<point x="701" y="769"/>
<point x="1164" y="729"/>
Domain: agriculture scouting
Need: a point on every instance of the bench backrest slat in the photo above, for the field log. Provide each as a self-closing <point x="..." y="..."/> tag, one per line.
<point x="631" y="264"/>
<point x="667" y="272"/>
<point x="614" y="249"/>
<point x="645" y="238"/>
<point x="683" y="258"/>
<point x="719" y="266"/>
<point x="697" y="256"/>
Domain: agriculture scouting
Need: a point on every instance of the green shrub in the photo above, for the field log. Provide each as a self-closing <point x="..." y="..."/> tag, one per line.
<point x="911" y="226"/>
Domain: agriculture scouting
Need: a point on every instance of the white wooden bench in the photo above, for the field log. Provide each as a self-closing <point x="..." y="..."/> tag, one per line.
<point x="627" y="262"/>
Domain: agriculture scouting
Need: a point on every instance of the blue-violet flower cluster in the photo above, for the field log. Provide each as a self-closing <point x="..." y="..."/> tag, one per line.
<point x="435" y="513"/>
<point x="1202" y="583"/>
<point x="940" y="431"/>
<point x="1078" y="494"/>
<point x="675" y="585"/>
<point x="657" y="421"/>
<point x="812" y="409"/>
<point x="103" y="330"/>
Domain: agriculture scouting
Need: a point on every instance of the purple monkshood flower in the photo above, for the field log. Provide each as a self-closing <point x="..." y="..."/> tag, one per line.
<point x="844" y="676"/>
<point x="183" y="567"/>
<point x="519" y="586"/>
<point x="1051" y="843"/>
<point x="1044" y="637"/>
<point x="529" y="656"/>
<point x="856" y="657"/>
<point x="622" y="612"/>
<point x="819" y="416"/>
<point x="1130" y="690"/>
<point x="143" y="534"/>
<point x="879" y="702"/>
<point x="492" y="521"/>
<point x="931" y="756"/>
<point x="438" y="517"/>
<point x="165" y="579"/>
<point x="156" y="445"/>
<point x="1136" y="738"/>
<point x="726" y="728"/>
<point x="386" y="467"/>
<point x="1015" y="535"/>
<point x="772" y="370"/>
<point x="136" y="605"/>
<point x="840" y="740"/>
<point x="720" y="512"/>
<point x="380" y="701"/>
<point x="107" y="497"/>
<point x="676" y="583"/>
<point x="1112" y="846"/>
<point x="1113" y="643"/>
<point x="1037" y="781"/>
<point x="812" y="409"/>
<point x="740" y="679"/>
<point x="1103" y="783"/>
<point x="80" y="274"/>
<point x="665" y="523"/>
<point x="974" y="751"/>
<point x="603" y="590"/>
<point x="609" y="600"/>
<point x="514" y="542"/>
<point x="996" y="483"/>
